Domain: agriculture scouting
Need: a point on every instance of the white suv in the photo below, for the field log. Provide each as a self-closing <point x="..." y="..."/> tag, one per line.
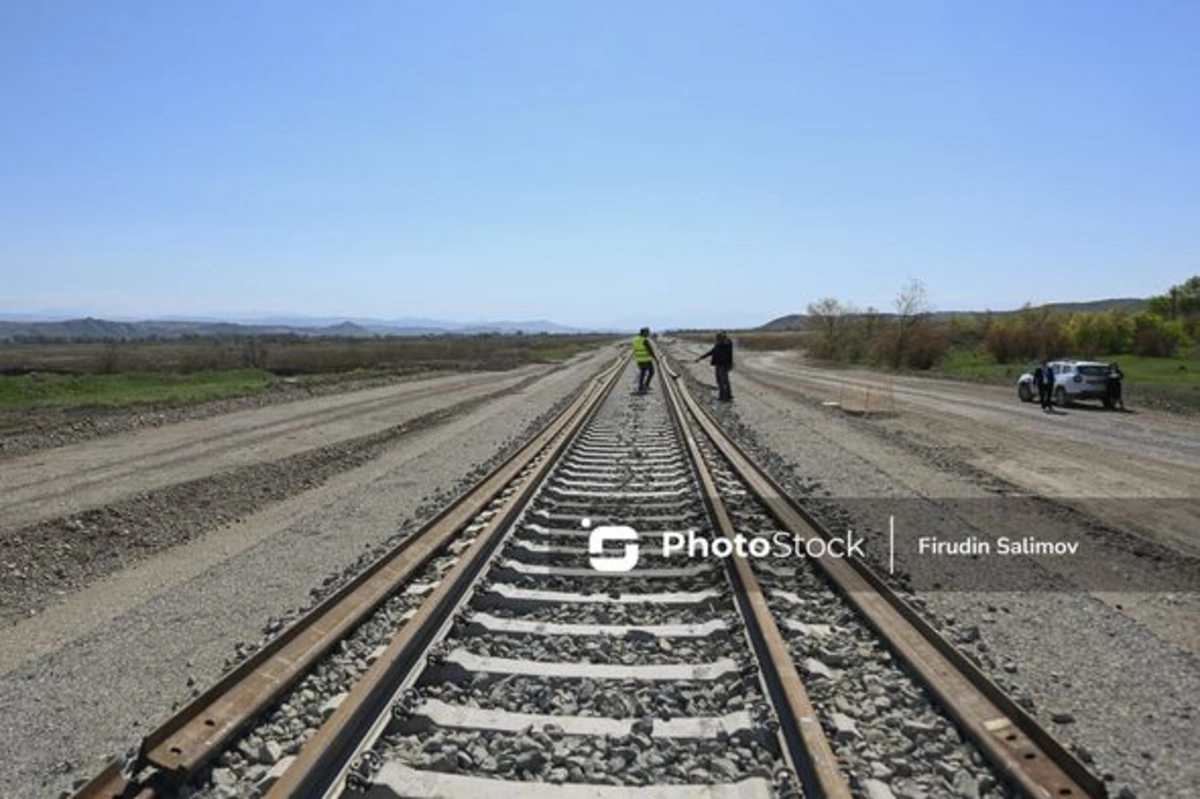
<point x="1073" y="380"/>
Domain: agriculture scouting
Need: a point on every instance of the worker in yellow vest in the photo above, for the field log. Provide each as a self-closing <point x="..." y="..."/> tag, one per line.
<point x="643" y="355"/>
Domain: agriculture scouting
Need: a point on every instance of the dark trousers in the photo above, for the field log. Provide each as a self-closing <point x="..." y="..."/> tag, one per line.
<point x="1045" y="395"/>
<point x="645" y="374"/>
<point x="723" y="390"/>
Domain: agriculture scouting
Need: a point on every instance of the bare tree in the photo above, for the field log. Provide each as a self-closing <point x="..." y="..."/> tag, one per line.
<point x="912" y="312"/>
<point x="827" y="318"/>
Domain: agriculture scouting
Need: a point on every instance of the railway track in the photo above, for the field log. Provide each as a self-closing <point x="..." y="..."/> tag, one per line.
<point x="502" y="652"/>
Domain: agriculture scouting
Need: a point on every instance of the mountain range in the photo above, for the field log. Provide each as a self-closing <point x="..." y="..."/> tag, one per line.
<point x="25" y="327"/>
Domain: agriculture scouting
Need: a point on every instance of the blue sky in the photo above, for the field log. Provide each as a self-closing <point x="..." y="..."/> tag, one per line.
<point x="594" y="163"/>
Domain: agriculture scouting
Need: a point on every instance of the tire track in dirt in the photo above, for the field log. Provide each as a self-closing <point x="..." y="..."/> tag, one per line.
<point x="45" y="560"/>
<point x="44" y="486"/>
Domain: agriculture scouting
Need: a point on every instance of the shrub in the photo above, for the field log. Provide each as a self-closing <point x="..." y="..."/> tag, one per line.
<point x="922" y="348"/>
<point x="968" y="331"/>
<point x="1156" y="337"/>
<point x="1002" y="341"/>
<point x="1096" y="333"/>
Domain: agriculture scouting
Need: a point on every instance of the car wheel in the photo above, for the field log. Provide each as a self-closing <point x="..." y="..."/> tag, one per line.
<point x="1060" y="397"/>
<point x="1024" y="393"/>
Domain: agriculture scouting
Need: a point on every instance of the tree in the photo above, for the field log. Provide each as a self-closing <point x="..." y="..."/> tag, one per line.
<point x="1155" y="336"/>
<point x="862" y="330"/>
<point x="1094" y="334"/>
<point x="828" y="319"/>
<point x="1180" y="301"/>
<point x="1002" y="341"/>
<point x="912" y="314"/>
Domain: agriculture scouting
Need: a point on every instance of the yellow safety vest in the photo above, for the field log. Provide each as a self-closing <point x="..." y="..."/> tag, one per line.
<point x="641" y="349"/>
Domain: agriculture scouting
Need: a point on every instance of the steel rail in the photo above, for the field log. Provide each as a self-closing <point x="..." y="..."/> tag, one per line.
<point x="187" y="741"/>
<point x="324" y="759"/>
<point x="810" y="751"/>
<point x="1015" y="743"/>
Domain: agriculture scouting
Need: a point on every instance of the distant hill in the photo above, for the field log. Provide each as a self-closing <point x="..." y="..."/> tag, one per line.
<point x="534" y="326"/>
<point x="795" y="321"/>
<point x="91" y="329"/>
<point x="1129" y="304"/>
<point x="417" y="326"/>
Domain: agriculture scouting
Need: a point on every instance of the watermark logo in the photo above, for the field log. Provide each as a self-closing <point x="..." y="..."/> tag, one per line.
<point x="779" y="545"/>
<point x="612" y="563"/>
<point x="688" y="544"/>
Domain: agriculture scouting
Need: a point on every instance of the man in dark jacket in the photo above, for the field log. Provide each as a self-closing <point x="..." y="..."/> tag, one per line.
<point x="721" y="356"/>
<point x="1043" y="378"/>
<point x="1112" y="384"/>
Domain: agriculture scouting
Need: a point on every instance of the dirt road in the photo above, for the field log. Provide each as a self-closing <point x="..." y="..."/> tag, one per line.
<point x="1129" y="460"/>
<point x="95" y="473"/>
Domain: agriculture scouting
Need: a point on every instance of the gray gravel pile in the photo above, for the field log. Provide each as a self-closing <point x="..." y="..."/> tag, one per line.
<point x="283" y="730"/>
<point x="559" y="582"/>
<point x="883" y="726"/>
<point x="546" y="755"/>
<point x="627" y="650"/>
<point x="600" y="613"/>
<point x="618" y="699"/>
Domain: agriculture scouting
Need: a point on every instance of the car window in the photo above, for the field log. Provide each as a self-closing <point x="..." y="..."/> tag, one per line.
<point x="1094" y="371"/>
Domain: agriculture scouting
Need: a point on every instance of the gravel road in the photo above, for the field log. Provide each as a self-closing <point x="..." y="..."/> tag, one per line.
<point x="92" y="474"/>
<point x="84" y="679"/>
<point x="1115" y="674"/>
<point x="128" y="497"/>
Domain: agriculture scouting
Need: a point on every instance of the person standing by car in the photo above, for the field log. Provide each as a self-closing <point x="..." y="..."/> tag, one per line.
<point x="1112" y="384"/>
<point x="721" y="357"/>
<point x="1043" y="378"/>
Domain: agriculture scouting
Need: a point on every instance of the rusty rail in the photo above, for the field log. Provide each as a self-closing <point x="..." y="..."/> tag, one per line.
<point x="808" y="748"/>
<point x="325" y="757"/>
<point x="192" y="737"/>
<point x="1015" y="743"/>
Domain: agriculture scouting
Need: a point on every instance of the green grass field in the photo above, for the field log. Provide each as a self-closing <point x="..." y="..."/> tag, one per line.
<point x="59" y="377"/>
<point x="111" y="391"/>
